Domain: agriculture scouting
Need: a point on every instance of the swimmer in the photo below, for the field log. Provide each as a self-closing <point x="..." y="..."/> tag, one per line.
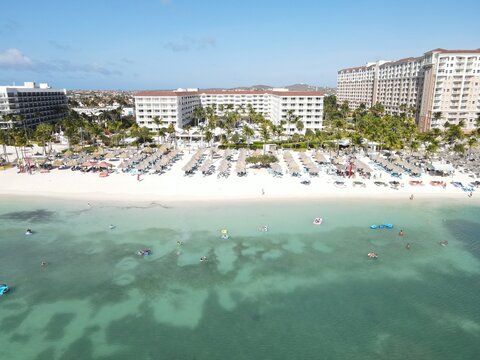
<point x="407" y="246"/>
<point x="89" y="205"/>
<point x="28" y="232"/>
<point x="203" y="258"/>
<point x="401" y="233"/>
<point x="43" y="264"/>
<point x="111" y="227"/>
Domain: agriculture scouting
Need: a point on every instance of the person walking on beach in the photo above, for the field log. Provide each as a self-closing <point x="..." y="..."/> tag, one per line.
<point x="263" y="191"/>
<point x="138" y="177"/>
<point x="411" y="197"/>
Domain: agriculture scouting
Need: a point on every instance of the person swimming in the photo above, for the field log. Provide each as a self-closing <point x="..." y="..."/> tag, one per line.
<point x="43" y="264"/>
<point x="28" y="232"/>
<point x="111" y="227"/>
<point x="401" y="233"/>
<point x="408" y="246"/>
<point x="203" y="258"/>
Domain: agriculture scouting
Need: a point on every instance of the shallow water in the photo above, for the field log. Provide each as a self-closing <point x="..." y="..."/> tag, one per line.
<point x="297" y="291"/>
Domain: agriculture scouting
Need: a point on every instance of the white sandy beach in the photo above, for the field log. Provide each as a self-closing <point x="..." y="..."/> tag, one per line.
<point x="175" y="186"/>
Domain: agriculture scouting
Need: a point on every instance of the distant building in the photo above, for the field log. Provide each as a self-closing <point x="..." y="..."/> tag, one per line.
<point x="176" y="106"/>
<point x="34" y="103"/>
<point x="440" y="81"/>
<point x="96" y="111"/>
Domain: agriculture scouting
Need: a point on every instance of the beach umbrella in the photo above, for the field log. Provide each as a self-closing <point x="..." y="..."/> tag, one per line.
<point x="71" y="163"/>
<point x="89" y="163"/>
<point x="57" y="163"/>
<point x="68" y="153"/>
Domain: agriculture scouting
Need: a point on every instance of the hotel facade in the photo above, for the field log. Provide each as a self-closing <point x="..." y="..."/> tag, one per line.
<point x="34" y="103"/>
<point x="441" y="81"/>
<point x="176" y="107"/>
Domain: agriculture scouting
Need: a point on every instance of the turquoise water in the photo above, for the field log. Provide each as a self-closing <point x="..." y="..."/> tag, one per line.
<point x="298" y="291"/>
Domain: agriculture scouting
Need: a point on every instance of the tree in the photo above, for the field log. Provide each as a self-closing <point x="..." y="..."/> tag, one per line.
<point x="262" y="160"/>
<point x="197" y="114"/>
<point x="172" y="132"/>
<point x="299" y="125"/>
<point x="247" y="133"/>
<point x="157" y="121"/>
<point x="43" y="134"/>
<point x="265" y="133"/>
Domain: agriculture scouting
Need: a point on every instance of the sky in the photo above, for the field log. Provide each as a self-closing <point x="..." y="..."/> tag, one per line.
<point x="166" y="44"/>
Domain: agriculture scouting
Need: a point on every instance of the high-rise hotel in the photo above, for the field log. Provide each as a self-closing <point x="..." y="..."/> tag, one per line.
<point x="441" y="81"/>
<point x="176" y="106"/>
<point x="34" y="103"/>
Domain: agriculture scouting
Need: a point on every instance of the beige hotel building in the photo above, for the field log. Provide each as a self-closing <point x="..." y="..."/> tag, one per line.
<point x="443" y="81"/>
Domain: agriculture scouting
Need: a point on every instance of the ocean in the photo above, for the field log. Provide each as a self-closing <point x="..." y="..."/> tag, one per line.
<point x="296" y="291"/>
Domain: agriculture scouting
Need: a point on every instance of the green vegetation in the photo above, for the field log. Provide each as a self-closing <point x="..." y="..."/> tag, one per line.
<point x="261" y="160"/>
<point x="244" y="127"/>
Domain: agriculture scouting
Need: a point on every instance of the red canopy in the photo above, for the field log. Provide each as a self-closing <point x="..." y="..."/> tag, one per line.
<point x="104" y="164"/>
<point x="89" y="163"/>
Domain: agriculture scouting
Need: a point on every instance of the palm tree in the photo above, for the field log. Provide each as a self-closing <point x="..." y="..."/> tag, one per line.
<point x="172" y="132"/>
<point x="43" y="134"/>
<point x="197" y="114"/>
<point x="157" y="121"/>
<point x="437" y="116"/>
<point x="265" y="133"/>
<point x="208" y="136"/>
<point x="299" y="125"/>
<point x="247" y="133"/>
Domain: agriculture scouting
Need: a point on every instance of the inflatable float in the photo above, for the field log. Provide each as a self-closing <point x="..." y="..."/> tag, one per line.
<point x="225" y="235"/>
<point x="4" y="289"/>
<point x="381" y="226"/>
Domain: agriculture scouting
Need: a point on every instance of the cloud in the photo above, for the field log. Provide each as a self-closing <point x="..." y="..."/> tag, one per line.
<point x="8" y="25"/>
<point x="59" y="46"/>
<point x="13" y="58"/>
<point x="188" y="43"/>
<point x="128" y="61"/>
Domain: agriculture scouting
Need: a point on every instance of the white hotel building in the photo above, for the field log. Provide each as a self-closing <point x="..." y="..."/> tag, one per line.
<point x="34" y="103"/>
<point x="177" y="106"/>
<point x="444" y="81"/>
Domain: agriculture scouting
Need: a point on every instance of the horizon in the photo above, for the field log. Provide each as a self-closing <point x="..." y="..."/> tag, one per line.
<point x="169" y="44"/>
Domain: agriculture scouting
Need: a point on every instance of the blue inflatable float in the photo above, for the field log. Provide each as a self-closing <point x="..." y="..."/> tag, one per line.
<point x="4" y="289"/>
<point x="382" y="226"/>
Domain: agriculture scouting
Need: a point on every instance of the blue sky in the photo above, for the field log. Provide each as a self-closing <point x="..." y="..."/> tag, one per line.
<point x="162" y="44"/>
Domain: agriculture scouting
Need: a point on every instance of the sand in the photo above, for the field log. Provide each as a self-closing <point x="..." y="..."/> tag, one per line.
<point x="174" y="186"/>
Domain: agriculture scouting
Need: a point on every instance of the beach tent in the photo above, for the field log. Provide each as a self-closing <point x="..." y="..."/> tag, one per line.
<point x="439" y="167"/>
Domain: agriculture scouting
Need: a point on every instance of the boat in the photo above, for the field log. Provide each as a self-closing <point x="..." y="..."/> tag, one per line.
<point x="373" y="226"/>
<point x="144" y="252"/>
<point x="317" y="221"/>
<point x="4" y="289"/>
<point x="388" y="226"/>
<point x="372" y="255"/>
